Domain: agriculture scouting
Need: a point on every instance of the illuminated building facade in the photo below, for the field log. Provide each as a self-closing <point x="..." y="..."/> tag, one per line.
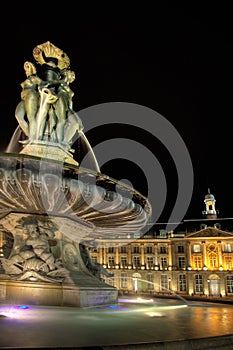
<point x="197" y="259"/>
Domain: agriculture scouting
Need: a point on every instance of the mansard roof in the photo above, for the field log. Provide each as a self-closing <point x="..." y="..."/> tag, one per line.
<point x="210" y="232"/>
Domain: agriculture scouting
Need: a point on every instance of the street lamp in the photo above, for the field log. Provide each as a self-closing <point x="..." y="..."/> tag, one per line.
<point x="208" y="281"/>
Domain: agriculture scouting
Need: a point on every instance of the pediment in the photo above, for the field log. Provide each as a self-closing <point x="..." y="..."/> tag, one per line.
<point x="210" y="232"/>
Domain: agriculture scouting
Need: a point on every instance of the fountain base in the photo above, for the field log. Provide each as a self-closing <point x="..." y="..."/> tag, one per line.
<point x="33" y="293"/>
<point x="49" y="150"/>
<point x="50" y="213"/>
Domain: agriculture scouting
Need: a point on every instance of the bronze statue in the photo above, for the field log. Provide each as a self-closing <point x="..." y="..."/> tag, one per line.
<point x="45" y="112"/>
<point x="95" y="268"/>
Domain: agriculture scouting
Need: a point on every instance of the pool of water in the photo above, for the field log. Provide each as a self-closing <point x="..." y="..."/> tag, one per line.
<point x="130" y="321"/>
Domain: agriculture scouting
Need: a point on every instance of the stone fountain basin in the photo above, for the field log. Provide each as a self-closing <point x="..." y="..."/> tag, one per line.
<point x="82" y="202"/>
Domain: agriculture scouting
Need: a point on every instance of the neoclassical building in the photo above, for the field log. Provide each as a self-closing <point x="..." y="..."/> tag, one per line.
<point x="194" y="259"/>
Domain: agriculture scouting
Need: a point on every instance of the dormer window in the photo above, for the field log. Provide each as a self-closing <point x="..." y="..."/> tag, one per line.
<point x="217" y="225"/>
<point x="203" y="226"/>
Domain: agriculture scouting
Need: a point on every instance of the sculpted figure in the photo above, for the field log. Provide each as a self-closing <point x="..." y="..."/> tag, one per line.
<point x="46" y="109"/>
<point x="36" y="254"/>
<point x="95" y="268"/>
<point x="30" y="101"/>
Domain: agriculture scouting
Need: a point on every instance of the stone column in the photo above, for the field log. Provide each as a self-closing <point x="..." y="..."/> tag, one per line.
<point x="169" y="255"/>
<point x="156" y="254"/>
<point x="142" y="254"/>
<point x="220" y="253"/>
<point x="105" y="255"/>
<point x="129" y="254"/>
<point x="117" y="255"/>
<point x="204" y="253"/>
<point x="100" y="255"/>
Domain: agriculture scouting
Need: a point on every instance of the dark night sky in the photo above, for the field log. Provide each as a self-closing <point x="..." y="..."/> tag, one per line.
<point x="174" y="60"/>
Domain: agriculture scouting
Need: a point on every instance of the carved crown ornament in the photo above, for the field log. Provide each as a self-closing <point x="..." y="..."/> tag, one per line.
<point x="43" y="52"/>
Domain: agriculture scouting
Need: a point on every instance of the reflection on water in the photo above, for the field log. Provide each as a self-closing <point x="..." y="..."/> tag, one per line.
<point x="125" y="322"/>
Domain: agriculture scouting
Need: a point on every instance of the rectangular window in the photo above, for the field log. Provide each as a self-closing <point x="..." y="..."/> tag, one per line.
<point x="149" y="250"/>
<point x="111" y="261"/>
<point x="124" y="261"/>
<point x="164" y="283"/>
<point x="136" y="261"/>
<point x="229" y="282"/>
<point x="123" y="280"/>
<point x="181" y="262"/>
<point x="149" y="262"/>
<point x="227" y="248"/>
<point x="123" y="250"/>
<point x="163" y="262"/>
<point x="182" y="283"/>
<point x="198" y="284"/>
<point x="197" y="262"/>
<point x="162" y="233"/>
<point x="212" y="260"/>
<point x="136" y="250"/>
<point x="196" y="248"/>
<point x="180" y="249"/>
<point x="110" y="250"/>
<point x="228" y="262"/>
<point x="150" y="281"/>
<point x="163" y="250"/>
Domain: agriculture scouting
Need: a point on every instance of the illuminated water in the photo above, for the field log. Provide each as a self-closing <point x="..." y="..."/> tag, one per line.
<point x="132" y="320"/>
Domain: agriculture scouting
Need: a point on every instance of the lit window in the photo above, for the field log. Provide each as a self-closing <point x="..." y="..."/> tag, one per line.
<point x="228" y="262"/>
<point x="227" y="248"/>
<point x="136" y="250"/>
<point x="182" y="283"/>
<point x="123" y="280"/>
<point x="164" y="283"/>
<point x="163" y="250"/>
<point x="164" y="262"/>
<point x="149" y="262"/>
<point x="181" y="262"/>
<point x="197" y="262"/>
<point x="136" y="261"/>
<point x="123" y="250"/>
<point x="150" y="281"/>
<point x="111" y="261"/>
<point x="229" y="282"/>
<point x="149" y="250"/>
<point x="198" y="284"/>
<point x="213" y="260"/>
<point x="123" y="261"/>
<point x="196" y="248"/>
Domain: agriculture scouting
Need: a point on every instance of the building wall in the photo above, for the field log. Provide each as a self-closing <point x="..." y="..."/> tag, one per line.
<point x="183" y="265"/>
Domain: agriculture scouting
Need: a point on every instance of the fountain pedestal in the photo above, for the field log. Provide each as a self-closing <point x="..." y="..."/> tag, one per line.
<point x="48" y="210"/>
<point x="52" y="209"/>
<point x="49" y="150"/>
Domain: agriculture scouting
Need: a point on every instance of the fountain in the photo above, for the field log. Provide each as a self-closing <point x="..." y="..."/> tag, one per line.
<point x="52" y="209"/>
